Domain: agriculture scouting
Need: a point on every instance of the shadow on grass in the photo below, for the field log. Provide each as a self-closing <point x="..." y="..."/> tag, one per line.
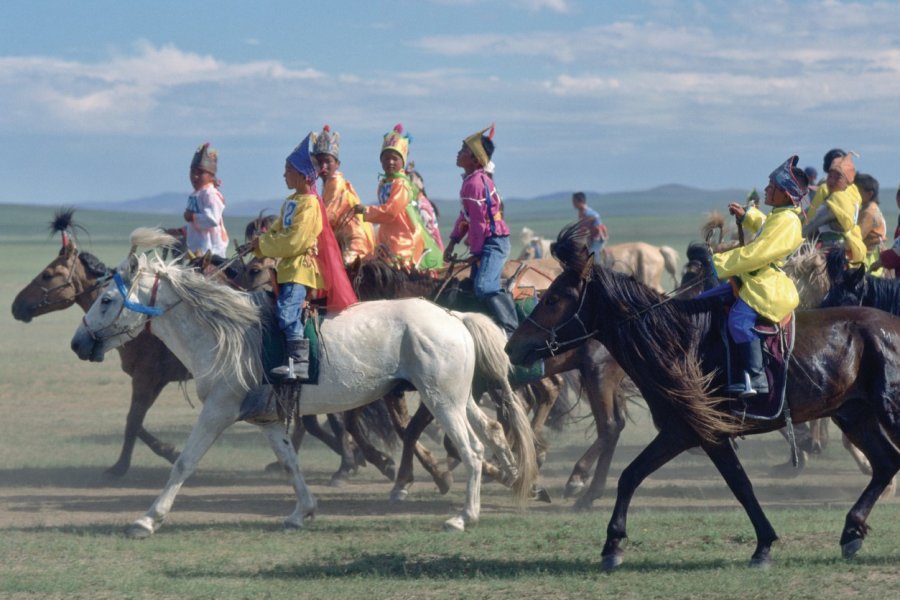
<point x="403" y="566"/>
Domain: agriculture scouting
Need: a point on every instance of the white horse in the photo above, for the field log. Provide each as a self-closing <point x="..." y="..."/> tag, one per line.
<point x="533" y="245"/>
<point x="369" y="349"/>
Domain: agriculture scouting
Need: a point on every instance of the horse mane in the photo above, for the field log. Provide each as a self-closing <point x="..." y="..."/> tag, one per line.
<point x="664" y="334"/>
<point x="232" y="316"/>
<point x="388" y="281"/>
<point x="93" y="265"/>
<point x="807" y="269"/>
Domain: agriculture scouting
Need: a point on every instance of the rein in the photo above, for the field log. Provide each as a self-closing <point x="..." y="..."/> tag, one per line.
<point x="151" y="311"/>
<point x="554" y="346"/>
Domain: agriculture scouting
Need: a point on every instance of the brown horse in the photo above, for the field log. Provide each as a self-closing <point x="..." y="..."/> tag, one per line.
<point x="844" y="365"/>
<point x="75" y="277"/>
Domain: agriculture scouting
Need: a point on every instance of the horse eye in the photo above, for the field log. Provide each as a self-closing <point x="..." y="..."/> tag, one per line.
<point x="106" y="300"/>
<point x="47" y="276"/>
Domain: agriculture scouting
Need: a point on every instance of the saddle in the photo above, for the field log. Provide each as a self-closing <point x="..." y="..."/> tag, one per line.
<point x="777" y="343"/>
<point x="527" y="281"/>
<point x="276" y="399"/>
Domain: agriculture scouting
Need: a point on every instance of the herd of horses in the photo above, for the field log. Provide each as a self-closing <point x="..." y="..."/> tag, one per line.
<point x="595" y="327"/>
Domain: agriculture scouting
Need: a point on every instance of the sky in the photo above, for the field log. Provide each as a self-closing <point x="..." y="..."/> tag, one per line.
<point x="107" y="100"/>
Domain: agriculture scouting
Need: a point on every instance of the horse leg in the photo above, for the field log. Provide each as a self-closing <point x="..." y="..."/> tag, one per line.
<point x="728" y="465"/>
<point x="284" y="450"/>
<point x="297" y="435"/>
<point x="862" y="429"/>
<point x="347" y="451"/>
<point x="545" y="391"/>
<point x="381" y="461"/>
<point x="213" y="420"/>
<point x="658" y="452"/>
<point x="575" y="484"/>
<point x="144" y="391"/>
<point x="803" y="437"/>
<point x="861" y="461"/>
<point x="490" y="432"/>
<point x="609" y="418"/>
<point x="411" y="446"/>
<point x="409" y="431"/>
<point x="452" y="418"/>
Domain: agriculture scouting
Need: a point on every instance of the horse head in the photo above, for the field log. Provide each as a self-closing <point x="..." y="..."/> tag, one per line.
<point x="69" y="278"/>
<point x="126" y="303"/>
<point x="559" y="321"/>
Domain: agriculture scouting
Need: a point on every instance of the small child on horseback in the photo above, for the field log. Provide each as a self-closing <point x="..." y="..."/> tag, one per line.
<point x="481" y="222"/>
<point x="205" y="229"/>
<point x="764" y="289"/>
<point x="397" y="230"/>
<point x="310" y="258"/>
<point x="341" y="199"/>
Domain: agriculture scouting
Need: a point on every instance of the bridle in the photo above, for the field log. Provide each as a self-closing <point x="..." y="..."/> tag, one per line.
<point x="45" y="301"/>
<point x="149" y="310"/>
<point x="552" y="344"/>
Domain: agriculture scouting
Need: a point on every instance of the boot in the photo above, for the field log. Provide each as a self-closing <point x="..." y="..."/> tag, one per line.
<point x="755" y="380"/>
<point x="297" y="366"/>
<point x="259" y="406"/>
<point x="503" y="309"/>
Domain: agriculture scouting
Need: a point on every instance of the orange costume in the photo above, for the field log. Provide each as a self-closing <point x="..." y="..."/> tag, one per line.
<point x="340" y="199"/>
<point x="396" y="229"/>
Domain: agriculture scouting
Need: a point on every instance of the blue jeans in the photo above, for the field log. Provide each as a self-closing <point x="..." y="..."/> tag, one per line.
<point x="486" y="274"/>
<point x="741" y="318"/>
<point x="290" y="310"/>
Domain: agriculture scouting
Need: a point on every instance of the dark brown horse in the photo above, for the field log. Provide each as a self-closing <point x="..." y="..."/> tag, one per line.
<point x="374" y="278"/>
<point x="844" y="365"/>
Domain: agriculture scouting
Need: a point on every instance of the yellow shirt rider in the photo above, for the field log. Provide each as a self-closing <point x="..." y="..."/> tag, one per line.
<point x="834" y="210"/>
<point x="764" y="288"/>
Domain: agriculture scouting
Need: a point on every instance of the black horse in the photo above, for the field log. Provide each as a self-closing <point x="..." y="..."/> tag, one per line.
<point x="854" y="287"/>
<point x="844" y="365"/>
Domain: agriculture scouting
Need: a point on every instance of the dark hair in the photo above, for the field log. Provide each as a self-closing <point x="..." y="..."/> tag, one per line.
<point x="830" y="156"/>
<point x="866" y="182"/>
<point x="579" y="197"/>
<point x="488" y="145"/>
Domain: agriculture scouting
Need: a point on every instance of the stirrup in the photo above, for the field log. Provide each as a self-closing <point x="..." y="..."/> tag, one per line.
<point x="292" y="371"/>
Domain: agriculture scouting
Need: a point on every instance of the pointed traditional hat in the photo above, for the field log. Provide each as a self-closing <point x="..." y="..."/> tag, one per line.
<point x="475" y="144"/>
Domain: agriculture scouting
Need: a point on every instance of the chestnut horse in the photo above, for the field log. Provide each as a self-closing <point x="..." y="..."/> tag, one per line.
<point x="843" y="366"/>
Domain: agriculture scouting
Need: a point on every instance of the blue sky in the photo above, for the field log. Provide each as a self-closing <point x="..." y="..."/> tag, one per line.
<point x="105" y="100"/>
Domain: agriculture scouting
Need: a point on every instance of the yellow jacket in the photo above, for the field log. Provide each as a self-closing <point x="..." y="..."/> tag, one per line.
<point x="844" y="205"/>
<point x="753" y="221"/>
<point x="294" y="239"/>
<point x="765" y="287"/>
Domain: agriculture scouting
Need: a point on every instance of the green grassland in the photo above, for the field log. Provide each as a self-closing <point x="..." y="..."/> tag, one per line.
<point x="61" y="521"/>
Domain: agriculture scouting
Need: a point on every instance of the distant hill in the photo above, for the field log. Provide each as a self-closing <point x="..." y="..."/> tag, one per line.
<point x="663" y="200"/>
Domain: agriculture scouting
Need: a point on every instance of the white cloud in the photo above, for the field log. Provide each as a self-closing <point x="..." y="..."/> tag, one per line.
<point x="122" y="93"/>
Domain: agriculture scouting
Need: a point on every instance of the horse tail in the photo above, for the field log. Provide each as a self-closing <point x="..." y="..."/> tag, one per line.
<point x="671" y="259"/>
<point x="151" y="237"/>
<point x="375" y="423"/>
<point x="493" y="366"/>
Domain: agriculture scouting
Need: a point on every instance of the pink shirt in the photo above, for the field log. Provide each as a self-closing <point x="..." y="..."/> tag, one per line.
<point x="481" y="216"/>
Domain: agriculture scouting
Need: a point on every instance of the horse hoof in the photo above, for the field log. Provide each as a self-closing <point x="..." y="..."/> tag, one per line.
<point x="399" y="495"/>
<point x="136" y="531"/>
<point x="338" y="481"/>
<point x="541" y="495"/>
<point x="291" y="526"/>
<point x="850" y="549"/>
<point x="444" y="482"/>
<point x="610" y="563"/>
<point x="455" y="524"/>
<point x="115" y="472"/>
<point x="573" y="488"/>
<point x="761" y="563"/>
